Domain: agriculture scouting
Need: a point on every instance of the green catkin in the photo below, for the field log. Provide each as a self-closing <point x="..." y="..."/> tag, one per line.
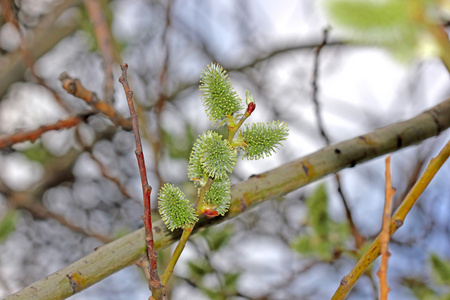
<point x="219" y="196"/>
<point x="218" y="95"/>
<point x="263" y="139"/>
<point x="214" y="157"/>
<point x="174" y="208"/>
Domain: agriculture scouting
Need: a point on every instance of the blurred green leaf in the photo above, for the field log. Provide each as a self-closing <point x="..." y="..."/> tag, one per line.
<point x="180" y="145"/>
<point x="200" y="268"/>
<point x="38" y="153"/>
<point x="398" y="25"/>
<point x="218" y="237"/>
<point x="317" y="204"/>
<point x="370" y="15"/>
<point x="7" y="224"/>
<point x="212" y="294"/>
<point x="420" y="289"/>
<point x="231" y="280"/>
<point x="441" y="270"/>
<point x="314" y="246"/>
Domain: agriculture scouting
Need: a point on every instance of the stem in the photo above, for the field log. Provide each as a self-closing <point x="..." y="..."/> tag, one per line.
<point x="384" y="235"/>
<point x="155" y="284"/>
<point x="176" y="254"/>
<point x="185" y="235"/>
<point x="396" y="222"/>
<point x="232" y="129"/>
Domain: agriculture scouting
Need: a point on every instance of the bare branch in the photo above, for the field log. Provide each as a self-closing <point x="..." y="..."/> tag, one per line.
<point x="155" y="283"/>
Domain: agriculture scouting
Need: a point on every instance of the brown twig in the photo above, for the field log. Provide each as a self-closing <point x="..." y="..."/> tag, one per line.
<point x="75" y="88"/>
<point x="105" y="45"/>
<point x="155" y="284"/>
<point x="384" y="235"/>
<point x="32" y="135"/>
<point x="359" y="238"/>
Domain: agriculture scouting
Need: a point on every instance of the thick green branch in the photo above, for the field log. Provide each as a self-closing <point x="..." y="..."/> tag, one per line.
<point x="277" y="182"/>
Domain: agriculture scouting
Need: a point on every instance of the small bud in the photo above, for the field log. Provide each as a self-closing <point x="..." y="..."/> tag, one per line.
<point x="211" y="213"/>
<point x="248" y="97"/>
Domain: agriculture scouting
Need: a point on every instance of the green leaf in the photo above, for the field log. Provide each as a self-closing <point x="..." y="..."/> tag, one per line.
<point x="174" y="208"/>
<point x="219" y="195"/>
<point x="211" y="156"/>
<point x="199" y="268"/>
<point x="441" y="270"/>
<point x="179" y="145"/>
<point x="212" y="294"/>
<point x="263" y="139"/>
<point x="219" y="98"/>
<point x="218" y="237"/>
<point x="313" y="246"/>
<point x="394" y="24"/>
<point x="317" y="204"/>
<point x="231" y="280"/>
<point x="420" y="289"/>
<point x="7" y="224"/>
<point x="38" y="153"/>
<point x="369" y="16"/>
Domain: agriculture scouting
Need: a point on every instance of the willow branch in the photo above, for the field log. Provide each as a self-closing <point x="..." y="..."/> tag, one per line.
<point x="396" y="222"/>
<point x="259" y="188"/>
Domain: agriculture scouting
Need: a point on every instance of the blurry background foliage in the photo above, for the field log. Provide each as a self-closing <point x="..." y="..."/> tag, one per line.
<point x="74" y="189"/>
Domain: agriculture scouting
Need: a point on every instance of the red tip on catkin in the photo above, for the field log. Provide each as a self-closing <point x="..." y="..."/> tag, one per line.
<point x="251" y="107"/>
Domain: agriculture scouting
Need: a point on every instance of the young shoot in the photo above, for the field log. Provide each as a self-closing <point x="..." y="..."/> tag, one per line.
<point x="214" y="157"/>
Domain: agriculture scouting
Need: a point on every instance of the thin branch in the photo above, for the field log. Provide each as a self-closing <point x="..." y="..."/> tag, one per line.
<point x="269" y="185"/>
<point x="384" y="235"/>
<point x="396" y="222"/>
<point x="75" y="88"/>
<point x="315" y="87"/>
<point x="41" y="212"/>
<point x="359" y="239"/>
<point x="32" y="135"/>
<point x="155" y="284"/>
<point x="103" y="169"/>
<point x="105" y="44"/>
<point x="28" y="56"/>
<point x="157" y="142"/>
<point x="41" y="39"/>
